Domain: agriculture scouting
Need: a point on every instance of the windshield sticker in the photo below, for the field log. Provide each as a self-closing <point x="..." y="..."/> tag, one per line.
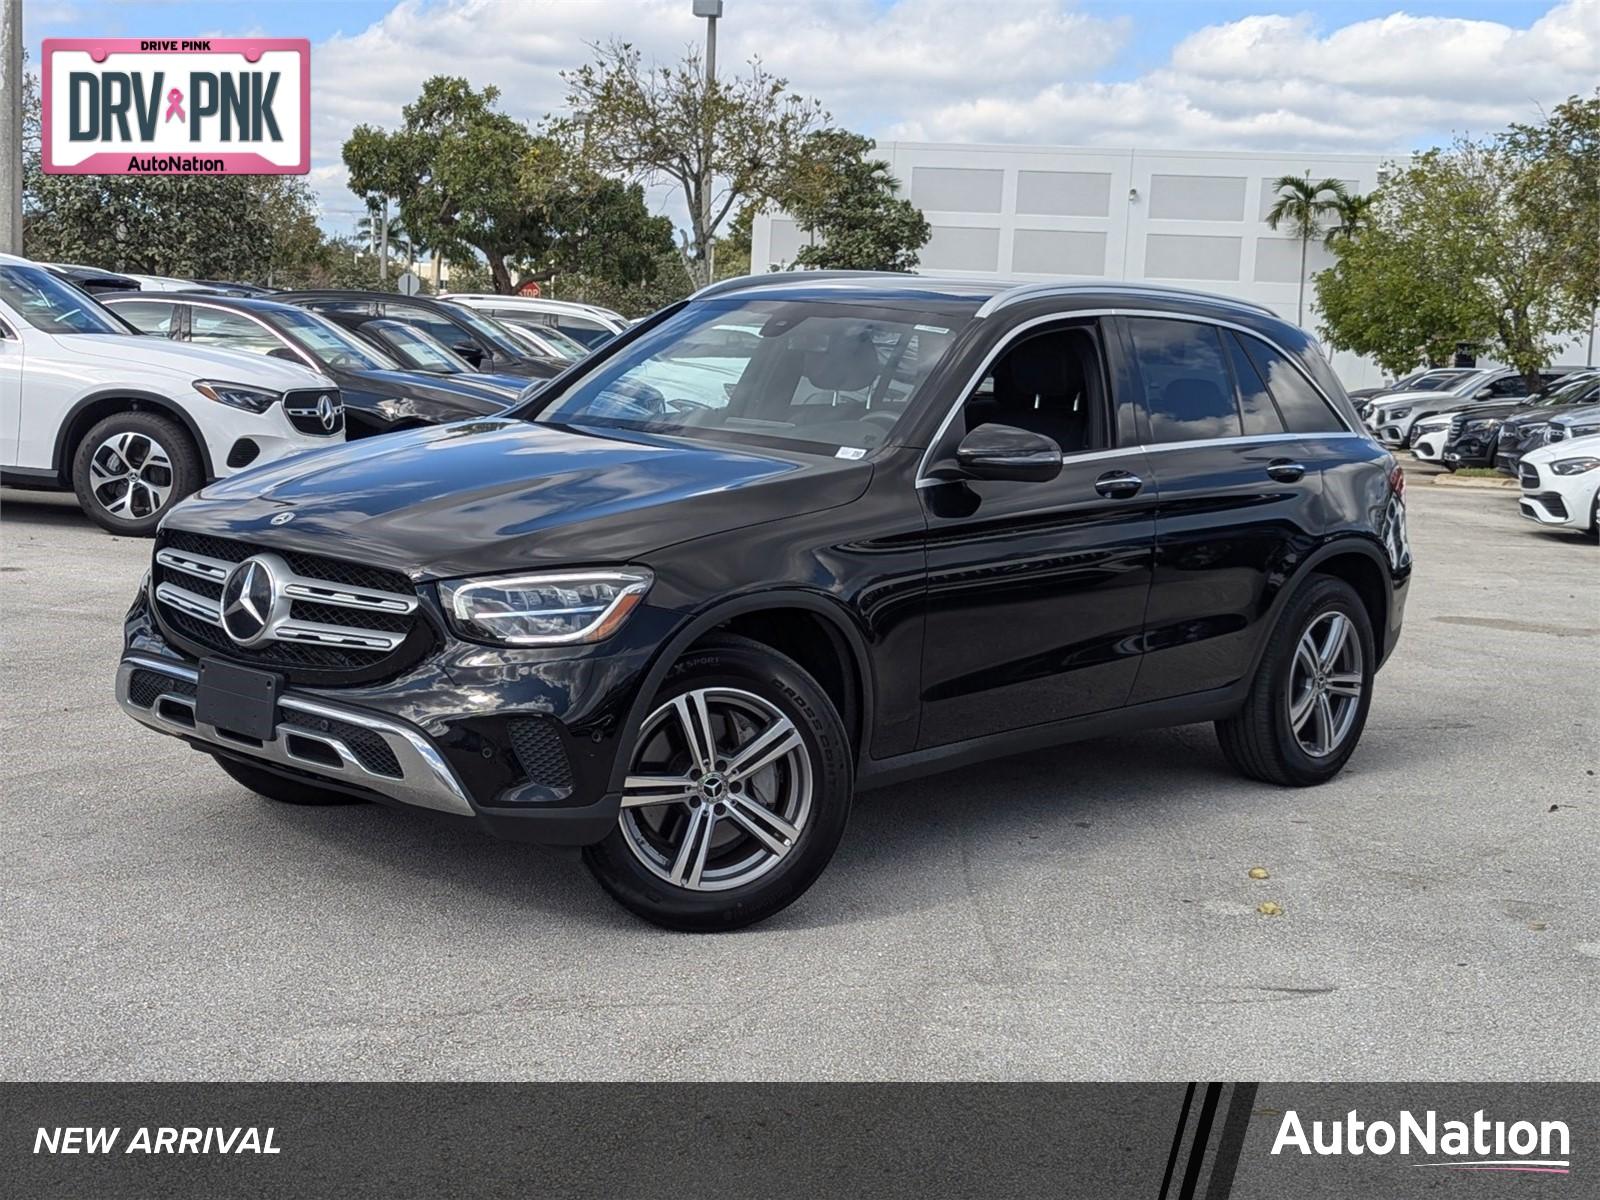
<point x="931" y="329"/>
<point x="851" y="452"/>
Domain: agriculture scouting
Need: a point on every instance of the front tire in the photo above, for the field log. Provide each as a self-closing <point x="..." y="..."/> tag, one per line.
<point x="739" y="787"/>
<point x="1306" y="710"/>
<point x="281" y="788"/>
<point x="131" y="468"/>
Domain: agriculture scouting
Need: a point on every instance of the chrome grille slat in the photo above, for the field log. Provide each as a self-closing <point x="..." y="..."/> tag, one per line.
<point x="200" y="607"/>
<point x="297" y="587"/>
<point x="335" y="635"/>
<point x="214" y="569"/>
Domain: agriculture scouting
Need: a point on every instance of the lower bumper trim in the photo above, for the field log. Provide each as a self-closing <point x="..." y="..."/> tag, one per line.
<point x="425" y="779"/>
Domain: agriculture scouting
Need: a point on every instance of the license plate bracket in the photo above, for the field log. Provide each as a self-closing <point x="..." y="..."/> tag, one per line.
<point x="237" y="699"/>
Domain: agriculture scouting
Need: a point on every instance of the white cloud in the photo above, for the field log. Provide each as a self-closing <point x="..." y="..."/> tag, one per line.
<point x="1018" y="71"/>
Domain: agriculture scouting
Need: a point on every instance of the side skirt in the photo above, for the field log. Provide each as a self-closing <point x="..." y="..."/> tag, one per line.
<point x="1154" y="714"/>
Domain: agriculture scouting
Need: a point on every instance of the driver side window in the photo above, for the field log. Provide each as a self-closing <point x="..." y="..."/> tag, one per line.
<point x="1048" y="382"/>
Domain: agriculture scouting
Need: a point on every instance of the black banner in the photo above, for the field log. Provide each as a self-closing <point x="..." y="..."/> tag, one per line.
<point x="1154" y="1141"/>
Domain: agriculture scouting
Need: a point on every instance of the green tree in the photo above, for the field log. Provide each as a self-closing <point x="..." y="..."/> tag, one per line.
<point x="1304" y="207"/>
<point x="1385" y="298"/>
<point x="590" y="224"/>
<point x="847" y="201"/>
<point x="1560" y="188"/>
<point x="452" y="167"/>
<point x="720" y="145"/>
<point x="1456" y="252"/>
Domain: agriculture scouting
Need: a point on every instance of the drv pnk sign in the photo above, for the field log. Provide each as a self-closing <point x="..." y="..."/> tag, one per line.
<point x="203" y="106"/>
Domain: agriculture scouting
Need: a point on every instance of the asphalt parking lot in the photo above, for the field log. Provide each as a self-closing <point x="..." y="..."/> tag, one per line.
<point x="1083" y="913"/>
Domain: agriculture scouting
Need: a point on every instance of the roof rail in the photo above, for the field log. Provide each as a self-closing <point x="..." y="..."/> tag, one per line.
<point x="1036" y="291"/>
<point x="741" y="282"/>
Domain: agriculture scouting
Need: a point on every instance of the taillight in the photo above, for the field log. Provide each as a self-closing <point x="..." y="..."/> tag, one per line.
<point x="1397" y="482"/>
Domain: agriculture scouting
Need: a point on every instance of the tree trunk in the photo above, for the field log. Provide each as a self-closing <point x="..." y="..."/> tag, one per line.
<point x="1300" y="304"/>
<point x="502" y="277"/>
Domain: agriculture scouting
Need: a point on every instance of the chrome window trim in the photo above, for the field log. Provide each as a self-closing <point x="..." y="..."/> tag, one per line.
<point x="924" y="480"/>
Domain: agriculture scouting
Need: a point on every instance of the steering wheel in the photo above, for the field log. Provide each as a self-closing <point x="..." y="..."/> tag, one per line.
<point x="885" y="419"/>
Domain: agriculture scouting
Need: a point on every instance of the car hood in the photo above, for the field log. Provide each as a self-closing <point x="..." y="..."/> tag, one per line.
<point x="1480" y="412"/>
<point x="499" y="495"/>
<point x="1401" y="399"/>
<point x="136" y="352"/>
<point x="470" y="399"/>
<point x="1572" y="448"/>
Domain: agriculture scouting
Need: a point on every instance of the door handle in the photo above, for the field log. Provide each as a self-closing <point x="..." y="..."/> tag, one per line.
<point x="1118" y="485"/>
<point x="1286" y="471"/>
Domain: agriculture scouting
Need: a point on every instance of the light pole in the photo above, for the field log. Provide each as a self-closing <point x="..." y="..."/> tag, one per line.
<point x="710" y="10"/>
<point x="11" y="126"/>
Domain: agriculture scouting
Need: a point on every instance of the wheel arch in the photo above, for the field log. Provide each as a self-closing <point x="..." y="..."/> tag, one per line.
<point x="781" y="620"/>
<point x="1358" y="561"/>
<point x="107" y="402"/>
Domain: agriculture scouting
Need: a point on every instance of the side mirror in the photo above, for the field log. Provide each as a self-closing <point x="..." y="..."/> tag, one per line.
<point x="283" y="352"/>
<point x="1005" y="452"/>
<point x="470" y="352"/>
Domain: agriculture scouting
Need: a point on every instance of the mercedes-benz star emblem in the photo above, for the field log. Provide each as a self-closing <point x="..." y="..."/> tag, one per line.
<point x="247" y="601"/>
<point x="282" y="518"/>
<point x="326" y="412"/>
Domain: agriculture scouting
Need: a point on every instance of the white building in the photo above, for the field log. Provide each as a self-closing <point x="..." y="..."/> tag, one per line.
<point x="1184" y="217"/>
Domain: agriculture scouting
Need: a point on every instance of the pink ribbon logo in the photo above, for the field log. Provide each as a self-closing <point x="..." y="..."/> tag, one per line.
<point x="175" y="105"/>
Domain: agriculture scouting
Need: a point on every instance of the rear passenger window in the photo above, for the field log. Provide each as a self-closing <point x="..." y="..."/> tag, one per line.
<point x="1302" y="406"/>
<point x="1188" y="388"/>
<point x="1260" y="415"/>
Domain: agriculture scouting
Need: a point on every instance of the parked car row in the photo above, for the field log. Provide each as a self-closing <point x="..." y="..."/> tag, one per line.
<point x="134" y="392"/>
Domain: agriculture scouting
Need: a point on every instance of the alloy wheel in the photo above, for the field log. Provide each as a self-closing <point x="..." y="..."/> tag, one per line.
<point x="718" y="791"/>
<point x="1325" y="682"/>
<point x="130" y="475"/>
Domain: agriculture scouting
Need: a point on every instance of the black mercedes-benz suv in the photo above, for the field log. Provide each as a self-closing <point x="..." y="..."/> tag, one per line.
<point x="797" y="536"/>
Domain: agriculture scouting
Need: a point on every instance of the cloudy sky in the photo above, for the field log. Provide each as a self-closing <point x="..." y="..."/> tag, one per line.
<point x="1350" y="75"/>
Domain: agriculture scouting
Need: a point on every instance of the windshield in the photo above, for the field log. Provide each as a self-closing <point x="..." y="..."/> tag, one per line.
<point x="419" y="349"/>
<point x="1438" y="380"/>
<point x="567" y="347"/>
<point x="1569" y="391"/>
<point x="47" y="303"/>
<point x="490" y="331"/>
<point x="330" y="345"/>
<point x="832" y="377"/>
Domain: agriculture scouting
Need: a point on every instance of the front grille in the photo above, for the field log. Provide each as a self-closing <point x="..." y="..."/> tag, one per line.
<point x="305" y="411"/>
<point x="1529" y="476"/>
<point x="537" y="744"/>
<point x="1456" y="426"/>
<point x="358" y="623"/>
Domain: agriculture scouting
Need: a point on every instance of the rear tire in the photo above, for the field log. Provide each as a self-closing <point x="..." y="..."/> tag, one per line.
<point x="1301" y="722"/>
<point x="281" y="788"/>
<point x="730" y="846"/>
<point x="131" y="468"/>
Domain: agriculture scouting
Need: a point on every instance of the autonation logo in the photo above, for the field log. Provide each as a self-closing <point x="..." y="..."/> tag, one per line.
<point x="1476" y="1145"/>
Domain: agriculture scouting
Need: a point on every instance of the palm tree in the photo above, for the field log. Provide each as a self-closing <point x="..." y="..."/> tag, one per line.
<point x="1301" y="205"/>
<point x="1355" y="217"/>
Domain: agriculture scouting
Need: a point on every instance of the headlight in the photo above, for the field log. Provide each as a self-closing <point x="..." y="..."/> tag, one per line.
<point x="1480" y="426"/>
<point x="544" y="610"/>
<point x="236" y="395"/>
<point x="1578" y="431"/>
<point x="1398" y="414"/>
<point x="1574" y="466"/>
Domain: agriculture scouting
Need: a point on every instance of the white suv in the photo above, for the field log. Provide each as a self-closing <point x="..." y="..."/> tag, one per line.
<point x="1561" y="484"/>
<point x="133" y="424"/>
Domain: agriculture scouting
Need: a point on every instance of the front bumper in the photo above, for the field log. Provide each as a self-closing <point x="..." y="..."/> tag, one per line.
<point x="526" y="746"/>
<point x="1428" y="446"/>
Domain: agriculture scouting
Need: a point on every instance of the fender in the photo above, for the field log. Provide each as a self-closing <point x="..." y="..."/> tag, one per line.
<point x="1338" y="545"/>
<point x="824" y="606"/>
<point x="140" y="399"/>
